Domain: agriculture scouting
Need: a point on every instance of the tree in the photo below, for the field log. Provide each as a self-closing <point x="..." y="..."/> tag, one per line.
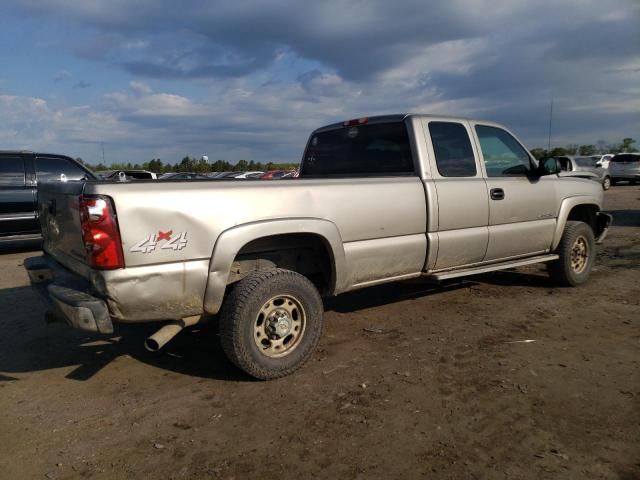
<point x="539" y="153"/>
<point x="242" y="165"/>
<point x="559" y="152"/>
<point x="587" y="149"/>
<point x="627" y="145"/>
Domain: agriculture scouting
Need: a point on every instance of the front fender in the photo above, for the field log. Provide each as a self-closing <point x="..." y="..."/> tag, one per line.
<point x="231" y="241"/>
<point x="563" y="214"/>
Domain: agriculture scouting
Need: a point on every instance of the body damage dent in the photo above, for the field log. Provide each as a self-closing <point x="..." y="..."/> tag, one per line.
<point x="156" y="292"/>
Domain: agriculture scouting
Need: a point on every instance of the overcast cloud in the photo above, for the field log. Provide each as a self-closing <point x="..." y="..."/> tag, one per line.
<point x="250" y="79"/>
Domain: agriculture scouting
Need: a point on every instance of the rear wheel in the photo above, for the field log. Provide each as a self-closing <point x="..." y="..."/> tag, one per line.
<point x="606" y="183"/>
<point x="271" y="323"/>
<point x="577" y="254"/>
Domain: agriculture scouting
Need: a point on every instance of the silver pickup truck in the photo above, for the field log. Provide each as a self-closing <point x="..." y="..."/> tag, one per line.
<point x="377" y="200"/>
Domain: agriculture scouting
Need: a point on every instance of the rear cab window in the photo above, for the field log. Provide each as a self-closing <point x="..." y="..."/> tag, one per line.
<point x="379" y="149"/>
<point x="452" y="148"/>
<point x="12" y="172"/>
<point x="51" y="169"/>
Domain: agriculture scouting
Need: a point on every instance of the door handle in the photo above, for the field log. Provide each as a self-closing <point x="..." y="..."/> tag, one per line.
<point x="497" y="194"/>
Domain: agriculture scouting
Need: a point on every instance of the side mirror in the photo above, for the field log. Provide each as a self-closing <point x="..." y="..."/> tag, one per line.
<point x="549" y="166"/>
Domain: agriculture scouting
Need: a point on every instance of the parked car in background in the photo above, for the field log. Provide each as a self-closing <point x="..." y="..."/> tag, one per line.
<point x="128" y="175"/>
<point x="184" y="176"/>
<point x="625" y="166"/>
<point x="586" y="167"/>
<point x="254" y="174"/>
<point x="218" y="174"/>
<point x="20" y="174"/>
<point x="603" y="160"/>
<point x="275" y="174"/>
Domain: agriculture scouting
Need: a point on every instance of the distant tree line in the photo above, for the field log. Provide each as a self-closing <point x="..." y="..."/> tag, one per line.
<point x="627" y="146"/>
<point x="188" y="164"/>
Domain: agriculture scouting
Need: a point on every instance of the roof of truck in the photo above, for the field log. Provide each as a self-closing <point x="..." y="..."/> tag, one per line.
<point x="31" y="152"/>
<point x="397" y="117"/>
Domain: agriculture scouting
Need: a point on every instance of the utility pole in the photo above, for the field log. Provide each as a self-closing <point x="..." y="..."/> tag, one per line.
<point x="550" y="124"/>
<point x="102" y="145"/>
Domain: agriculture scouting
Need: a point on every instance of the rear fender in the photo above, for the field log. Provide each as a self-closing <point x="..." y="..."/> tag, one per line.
<point x="231" y="241"/>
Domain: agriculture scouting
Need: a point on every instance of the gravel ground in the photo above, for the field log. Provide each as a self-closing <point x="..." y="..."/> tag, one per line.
<point x="410" y="381"/>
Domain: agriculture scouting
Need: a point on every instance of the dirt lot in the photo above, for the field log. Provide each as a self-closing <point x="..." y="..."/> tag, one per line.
<point x="411" y="381"/>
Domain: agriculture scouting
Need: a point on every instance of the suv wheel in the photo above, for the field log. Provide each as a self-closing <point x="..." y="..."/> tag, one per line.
<point x="606" y="183"/>
<point x="271" y="323"/>
<point x="577" y="254"/>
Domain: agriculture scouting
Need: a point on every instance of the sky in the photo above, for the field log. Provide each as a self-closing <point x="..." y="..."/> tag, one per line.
<point x="251" y="79"/>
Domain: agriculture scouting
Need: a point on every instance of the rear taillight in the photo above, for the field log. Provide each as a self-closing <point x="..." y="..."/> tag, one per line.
<point x="100" y="233"/>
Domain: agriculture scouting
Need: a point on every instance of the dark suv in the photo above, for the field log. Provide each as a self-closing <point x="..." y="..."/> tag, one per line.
<point x="20" y="174"/>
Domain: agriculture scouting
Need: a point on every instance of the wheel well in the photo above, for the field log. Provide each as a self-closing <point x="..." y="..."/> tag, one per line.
<point x="305" y="253"/>
<point x="586" y="214"/>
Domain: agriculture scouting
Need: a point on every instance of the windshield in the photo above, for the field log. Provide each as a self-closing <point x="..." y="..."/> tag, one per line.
<point x="362" y="150"/>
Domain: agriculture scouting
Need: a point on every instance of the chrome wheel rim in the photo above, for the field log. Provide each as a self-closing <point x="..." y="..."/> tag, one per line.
<point x="607" y="183"/>
<point x="279" y="326"/>
<point x="579" y="254"/>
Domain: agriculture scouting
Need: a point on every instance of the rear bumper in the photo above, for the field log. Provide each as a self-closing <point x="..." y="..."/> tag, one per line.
<point x="67" y="295"/>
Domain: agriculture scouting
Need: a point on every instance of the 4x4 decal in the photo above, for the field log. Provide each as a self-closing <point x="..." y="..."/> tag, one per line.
<point x="153" y="241"/>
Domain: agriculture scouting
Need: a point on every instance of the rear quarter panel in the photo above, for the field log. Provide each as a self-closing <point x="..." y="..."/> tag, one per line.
<point x="362" y="209"/>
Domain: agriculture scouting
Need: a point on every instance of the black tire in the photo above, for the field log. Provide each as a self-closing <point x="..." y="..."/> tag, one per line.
<point x="574" y="266"/>
<point x="241" y="328"/>
<point x="606" y="183"/>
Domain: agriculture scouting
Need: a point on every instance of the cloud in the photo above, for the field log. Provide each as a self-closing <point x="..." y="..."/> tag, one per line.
<point x="139" y="88"/>
<point x="81" y="84"/>
<point x="61" y="76"/>
<point x="267" y="73"/>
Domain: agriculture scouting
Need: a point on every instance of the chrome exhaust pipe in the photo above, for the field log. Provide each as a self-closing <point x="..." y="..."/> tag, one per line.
<point x="159" y="339"/>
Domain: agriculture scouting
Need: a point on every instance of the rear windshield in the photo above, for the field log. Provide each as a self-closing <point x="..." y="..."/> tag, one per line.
<point x="626" y="157"/>
<point x="364" y="150"/>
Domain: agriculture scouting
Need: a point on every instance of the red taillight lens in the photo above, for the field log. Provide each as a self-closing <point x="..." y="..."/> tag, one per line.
<point x="100" y="233"/>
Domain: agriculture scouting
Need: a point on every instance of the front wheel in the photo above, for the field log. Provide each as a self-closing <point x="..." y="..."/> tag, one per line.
<point x="271" y="323"/>
<point x="577" y="254"/>
<point x="606" y="183"/>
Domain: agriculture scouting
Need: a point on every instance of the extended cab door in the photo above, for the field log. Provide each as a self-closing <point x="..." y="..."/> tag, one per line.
<point x="462" y="198"/>
<point x="522" y="207"/>
<point x="17" y="197"/>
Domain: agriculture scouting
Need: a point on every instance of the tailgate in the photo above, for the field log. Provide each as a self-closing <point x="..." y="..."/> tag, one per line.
<point x="60" y="222"/>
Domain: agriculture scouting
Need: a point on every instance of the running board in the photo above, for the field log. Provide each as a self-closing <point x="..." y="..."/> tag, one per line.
<point x="491" y="268"/>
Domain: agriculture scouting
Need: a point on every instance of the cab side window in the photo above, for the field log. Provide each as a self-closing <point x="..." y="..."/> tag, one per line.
<point x="11" y="172"/>
<point x="49" y="169"/>
<point x="454" y="155"/>
<point x="503" y="155"/>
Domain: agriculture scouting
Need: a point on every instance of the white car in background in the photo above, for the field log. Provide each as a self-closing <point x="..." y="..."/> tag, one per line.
<point x="603" y="160"/>
<point x="254" y="174"/>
